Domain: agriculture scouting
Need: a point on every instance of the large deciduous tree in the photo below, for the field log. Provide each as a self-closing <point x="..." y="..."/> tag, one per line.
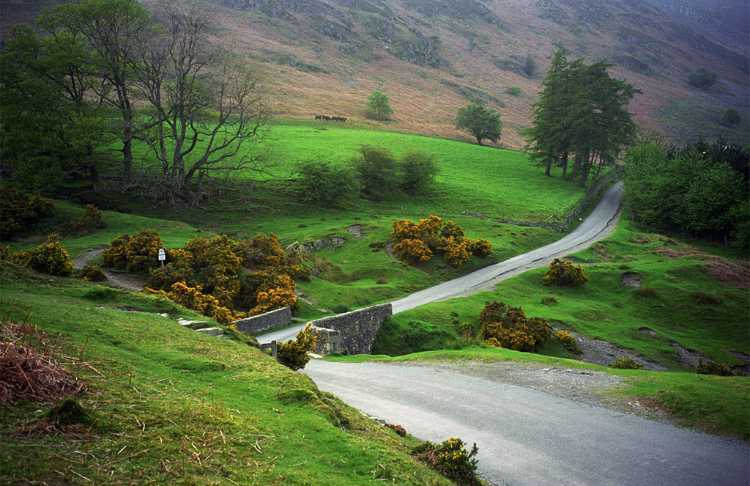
<point x="116" y="31"/>
<point x="482" y="122"/>
<point x="204" y="105"/>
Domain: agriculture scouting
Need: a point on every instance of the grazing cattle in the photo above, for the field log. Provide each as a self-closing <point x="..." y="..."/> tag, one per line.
<point x="330" y="118"/>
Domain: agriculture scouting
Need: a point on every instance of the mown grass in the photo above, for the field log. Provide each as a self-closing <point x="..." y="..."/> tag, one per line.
<point x="716" y="404"/>
<point x="173" y="406"/>
<point x="604" y="308"/>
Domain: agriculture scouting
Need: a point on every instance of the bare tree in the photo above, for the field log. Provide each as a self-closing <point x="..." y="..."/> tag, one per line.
<point x="205" y="105"/>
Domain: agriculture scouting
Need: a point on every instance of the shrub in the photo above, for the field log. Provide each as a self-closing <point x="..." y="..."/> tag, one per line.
<point x="93" y="273"/>
<point x="417" y="242"/>
<point x="564" y="274"/>
<point x="480" y="248"/>
<point x="568" y="341"/>
<point x="457" y="252"/>
<point x="5" y="253"/>
<point x="377" y="173"/>
<point x="378" y="106"/>
<point x="708" y="367"/>
<point x="138" y="253"/>
<point x="731" y="118"/>
<point x="549" y="300"/>
<point x="340" y="309"/>
<point x="261" y="251"/>
<point x="325" y="185"/>
<point x="91" y="220"/>
<point x="293" y="354"/>
<point x="20" y="212"/>
<point x="482" y="122"/>
<point x="275" y="298"/>
<point x="418" y="171"/>
<point x="703" y="298"/>
<point x="194" y="298"/>
<point x="452" y="460"/>
<point x="508" y="327"/>
<point x="50" y="257"/>
<point x="412" y="251"/>
<point x="625" y="363"/>
<point x="399" y="430"/>
<point x="702" y="79"/>
<point x="514" y="91"/>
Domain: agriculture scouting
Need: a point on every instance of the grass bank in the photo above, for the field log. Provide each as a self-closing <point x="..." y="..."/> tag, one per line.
<point x="173" y="406"/>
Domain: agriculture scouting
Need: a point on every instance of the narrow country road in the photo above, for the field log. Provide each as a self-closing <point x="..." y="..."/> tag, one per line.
<point x="594" y="228"/>
<point x="529" y="437"/>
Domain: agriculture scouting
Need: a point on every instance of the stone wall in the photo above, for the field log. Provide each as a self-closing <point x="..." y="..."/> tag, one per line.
<point x="351" y="332"/>
<point x="257" y="324"/>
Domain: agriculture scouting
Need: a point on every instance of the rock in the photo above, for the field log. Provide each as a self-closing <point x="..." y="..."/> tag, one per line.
<point x="631" y="280"/>
<point x="355" y="230"/>
<point x="211" y="331"/>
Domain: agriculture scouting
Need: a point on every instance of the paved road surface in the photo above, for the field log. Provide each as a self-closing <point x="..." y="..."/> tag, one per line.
<point x="528" y="437"/>
<point x="594" y="228"/>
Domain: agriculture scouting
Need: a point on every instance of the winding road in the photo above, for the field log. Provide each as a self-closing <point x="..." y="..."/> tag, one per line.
<point x="595" y="227"/>
<point x="530" y="437"/>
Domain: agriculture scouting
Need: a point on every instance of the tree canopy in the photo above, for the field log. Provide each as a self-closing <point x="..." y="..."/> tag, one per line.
<point x="581" y="112"/>
<point x="379" y="106"/>
<point x="482" y="122"/>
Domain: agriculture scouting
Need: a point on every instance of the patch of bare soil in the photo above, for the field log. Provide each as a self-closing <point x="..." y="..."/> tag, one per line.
<point x="115" y="279"/>
<point x="604" y="353"/>
<point x="734" y="274"/>
<point x="575" y="384"/>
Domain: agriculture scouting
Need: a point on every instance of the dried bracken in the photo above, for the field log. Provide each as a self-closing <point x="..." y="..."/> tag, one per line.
<point x="29" y="374"/>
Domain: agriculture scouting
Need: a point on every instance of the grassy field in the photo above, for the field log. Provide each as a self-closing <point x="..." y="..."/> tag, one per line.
<point x="689" y="398"/>
<point x="172" y="406"/>
<point x="674" y="285"/>
<point x="483" y="189"/>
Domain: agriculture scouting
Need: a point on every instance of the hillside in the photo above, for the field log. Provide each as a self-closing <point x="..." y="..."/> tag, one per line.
<point x="169" y="405"/>
<point x="433" y="56"/>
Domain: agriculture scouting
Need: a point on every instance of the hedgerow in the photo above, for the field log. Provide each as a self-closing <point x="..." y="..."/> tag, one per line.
<point x="416" y="243"/>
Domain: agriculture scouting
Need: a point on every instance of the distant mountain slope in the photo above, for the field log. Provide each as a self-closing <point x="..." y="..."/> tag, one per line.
<point x="433" y="56"/>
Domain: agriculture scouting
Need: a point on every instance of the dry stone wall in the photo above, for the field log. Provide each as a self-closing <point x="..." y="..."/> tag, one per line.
<point x="352" y="332"/>
<point x="263" y="322"/>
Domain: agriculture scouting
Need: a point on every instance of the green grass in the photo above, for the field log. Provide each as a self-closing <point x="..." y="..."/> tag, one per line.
<point x="604" y="308"/>
<point x="690" y="399"/>
<point x="483" y="189"/>
<point x="173" y="233"/>
<point x="173" y="406"/>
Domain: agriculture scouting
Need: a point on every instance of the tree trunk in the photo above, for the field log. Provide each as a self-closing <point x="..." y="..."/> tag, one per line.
<point x="548" y="170"/>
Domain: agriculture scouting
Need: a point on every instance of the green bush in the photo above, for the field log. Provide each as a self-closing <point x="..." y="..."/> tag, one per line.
<point x="5" y="253"/>
<point x="50" y="257"/>
<point x="293" y="354"/>
<point x="564" y="274"/>
<point x="625" y="363"/>
<point x="702" y="79"/>
<point x="91" y="220"/>
<point x="325" y="185"/>
<point x="452" y="459"/>
<point x="418" y="171"/>
<point x="514" y="91"/>
<point x="731" y="118"/>
<point x="19" y="212"/>
<point x="93" y="273"/>
<point x="378" y="174"/>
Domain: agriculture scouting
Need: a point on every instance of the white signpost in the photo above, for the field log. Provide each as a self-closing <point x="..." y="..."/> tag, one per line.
<point x="162" y="256"/>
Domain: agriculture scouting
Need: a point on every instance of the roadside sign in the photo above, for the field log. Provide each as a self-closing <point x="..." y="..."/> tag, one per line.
<point x="162" y="255"/>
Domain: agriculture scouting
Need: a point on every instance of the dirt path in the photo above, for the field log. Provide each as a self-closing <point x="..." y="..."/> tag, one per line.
<point x="115" y="279"/>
